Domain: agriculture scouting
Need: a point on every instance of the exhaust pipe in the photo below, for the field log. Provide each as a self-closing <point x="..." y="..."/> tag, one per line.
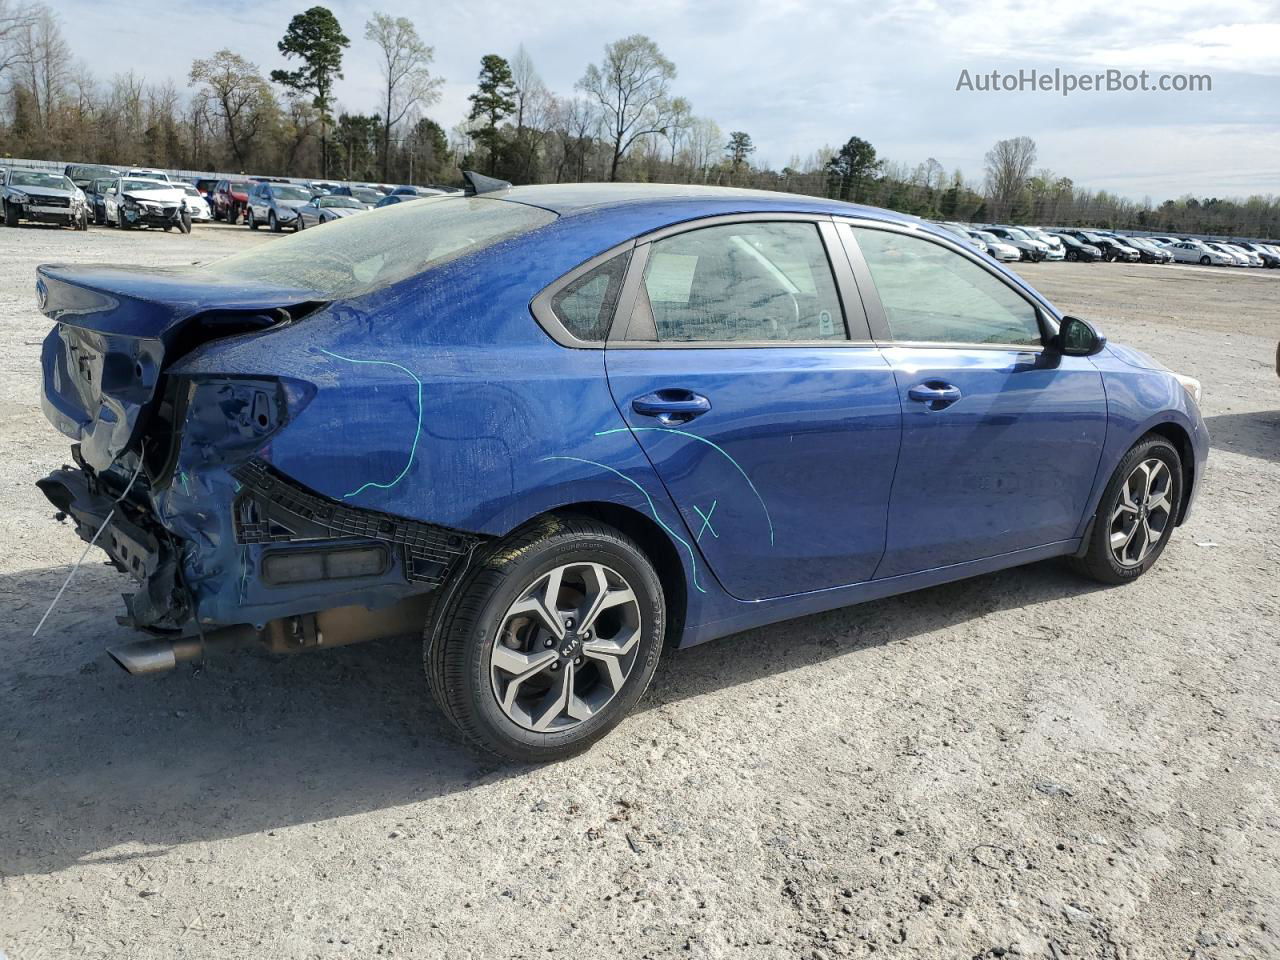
<point x="160" y="655"/>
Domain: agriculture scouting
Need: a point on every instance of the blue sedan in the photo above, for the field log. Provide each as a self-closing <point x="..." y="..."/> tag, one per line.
<point x="554" y="429"/>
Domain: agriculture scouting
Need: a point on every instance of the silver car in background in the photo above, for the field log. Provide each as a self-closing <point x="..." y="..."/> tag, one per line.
<point x="276" y="205"/>
<point x="42" y="198"/>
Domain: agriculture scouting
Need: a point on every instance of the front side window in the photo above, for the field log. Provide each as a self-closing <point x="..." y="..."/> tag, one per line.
<point x="753" y="281"/>
<point x="933" y="295"/>
<point x="585" y="306"/>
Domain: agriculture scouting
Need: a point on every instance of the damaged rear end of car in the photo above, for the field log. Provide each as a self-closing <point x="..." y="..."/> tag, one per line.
<point x="172" y="475"/>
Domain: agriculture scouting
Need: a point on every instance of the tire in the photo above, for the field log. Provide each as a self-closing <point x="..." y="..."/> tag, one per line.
<point x="184" y="222"/>
<point x="11" y="215"/>
<point x="120" y="220"/>
<point x="272" y="223"/>
<point x="468" y="652"/>
<point x="300" y="225"/>
<point x="1125" y="506"/>
<point x="250" y="219"/>
<point x="1204" y="261"/>
<point x="1072" y="255"/>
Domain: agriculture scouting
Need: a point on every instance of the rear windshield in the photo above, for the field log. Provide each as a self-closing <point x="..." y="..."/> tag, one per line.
<point x="355" y="255"/>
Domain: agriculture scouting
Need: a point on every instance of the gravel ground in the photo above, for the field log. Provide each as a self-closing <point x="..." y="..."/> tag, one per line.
<point x="1023" y="763"/>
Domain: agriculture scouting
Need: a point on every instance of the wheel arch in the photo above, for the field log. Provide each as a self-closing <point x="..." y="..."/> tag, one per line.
<point x="655" y="544"/>
<point x="1177" y="435"/>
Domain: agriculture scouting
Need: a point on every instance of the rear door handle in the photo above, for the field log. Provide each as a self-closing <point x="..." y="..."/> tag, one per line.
<point x="935" y="394"/>
<point x="671" y="406"/>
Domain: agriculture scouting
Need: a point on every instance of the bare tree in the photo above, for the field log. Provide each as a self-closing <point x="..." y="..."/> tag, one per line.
<point x="679" y="122"/>
<point x="15" y="22"/>
<point x="1008" y="165"/>
<point x="631" y="86"/>
<point x="240" y="96"/>
<point x="406" y="73"/>
<point x="529" y="85"/>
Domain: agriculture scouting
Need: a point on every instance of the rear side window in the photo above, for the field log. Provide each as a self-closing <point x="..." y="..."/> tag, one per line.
<point x="357" y="254"/>
<point x="744" y="282"/>
<point x="931" y="294"/>
<point x="586" y="305"/>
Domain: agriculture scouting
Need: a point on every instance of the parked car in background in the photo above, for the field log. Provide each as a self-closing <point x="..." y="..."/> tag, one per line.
<point x="1237" y="257"/>
<point x="195" y="202"/>
<point x="1057" y="250"/>
<point x="1027" y="248"/>
<point x="1076" y="250"/>
<point x="964" y="233"/>
<point x="1251" y="258"/>
<point x="321" y="188"/>
<point x="412" y="191"/>
<point x="997" y="248"/>
<point x="42" y="198"/>
<point x="148" y="173"/>
<point x="326" y="209"/>
<point x="230" y="200"/>
<point x="1112" y="249"/>
<point x="275" y="204"/>
<point x="551" y="536"/>
<point x="1195" y="251"/>
<point x="1269" y="255"/>
<point x="366" y="195"/>
<point x="392" y="199"/>
<point x="206" y="186"/>
<point x="1148" y="250"/>
<point x="143" y="202"/>
<point x="83" y="174"/>
<point x="96" y="199"/>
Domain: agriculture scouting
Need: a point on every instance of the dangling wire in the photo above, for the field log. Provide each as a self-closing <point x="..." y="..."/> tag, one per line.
<point x="111" y="513"/>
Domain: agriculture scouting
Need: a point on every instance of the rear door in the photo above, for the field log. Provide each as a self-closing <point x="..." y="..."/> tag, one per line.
<point x="742" y="362"/>
<point x="1001" y="439"/>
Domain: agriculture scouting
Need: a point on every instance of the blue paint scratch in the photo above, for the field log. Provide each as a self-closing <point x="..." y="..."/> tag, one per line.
<point x="417" y="435"/>
<point x="714" y="446"/>
<point x="693" y="561"/>
<point x="706" y="521"/>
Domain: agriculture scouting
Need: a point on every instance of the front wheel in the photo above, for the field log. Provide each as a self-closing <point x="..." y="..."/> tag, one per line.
<point x="10" y="215"/>
<point x="272" y="222"/>
<point x="1204" y="261"/>
<point x="1137" y="513"/>
<point x="551" y="640"/>
<point x="250" y="219"/>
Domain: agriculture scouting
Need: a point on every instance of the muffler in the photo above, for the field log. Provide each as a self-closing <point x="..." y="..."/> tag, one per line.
<point x="160" y="655"/>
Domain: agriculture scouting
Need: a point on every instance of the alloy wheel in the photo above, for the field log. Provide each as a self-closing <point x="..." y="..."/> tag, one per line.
<point x="1143" y="512"/>
<point x="565" y="647"/>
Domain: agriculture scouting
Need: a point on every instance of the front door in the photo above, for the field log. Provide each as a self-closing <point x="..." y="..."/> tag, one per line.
<point x="1001" y="439"/>
<point x="774" y="431"/>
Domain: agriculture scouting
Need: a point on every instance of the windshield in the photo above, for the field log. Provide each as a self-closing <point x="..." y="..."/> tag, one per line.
<point x="366" y="194"/>
<point x="989" y="237"/>
<point x="1016" y="234"/>
<point x="291" y="193"/>
<point x="189" y="190"/>
<point x="355" y="255"/>
<point x="146" y="185"/>
<point x="53" y="181"/>
<point x="102" y="186"/>
<point x="340" y="202"/>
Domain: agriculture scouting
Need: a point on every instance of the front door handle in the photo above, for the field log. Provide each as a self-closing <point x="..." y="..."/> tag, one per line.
<point x="935" y="394"/>
<point x="671" y="406"/>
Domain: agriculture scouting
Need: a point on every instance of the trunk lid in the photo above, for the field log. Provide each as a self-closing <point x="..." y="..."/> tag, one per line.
<point x="118" y="329"/>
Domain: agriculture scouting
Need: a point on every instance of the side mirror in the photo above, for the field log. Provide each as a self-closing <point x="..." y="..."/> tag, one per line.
<point x="1076" y="338"/>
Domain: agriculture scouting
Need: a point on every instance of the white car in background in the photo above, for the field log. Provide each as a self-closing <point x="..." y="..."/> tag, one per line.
<point x="1252" y="258"/>
<point x="958" y="229"/>
<point x="137" y="201"/>
<point x="1238" y="259"/>
<point x="195" y="202"/>
<point x="996" y="247"/>
<point x="146" y="174"/>
<point x="1057" y="249"/>
<point x="1196" y="251"/>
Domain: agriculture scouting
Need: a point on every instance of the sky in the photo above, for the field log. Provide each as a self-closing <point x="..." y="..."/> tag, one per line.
<point x="798" y="75"/>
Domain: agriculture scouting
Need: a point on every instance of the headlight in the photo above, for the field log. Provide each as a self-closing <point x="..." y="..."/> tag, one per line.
<point x="17" y="196"/>
<point x="1191" y="385"/>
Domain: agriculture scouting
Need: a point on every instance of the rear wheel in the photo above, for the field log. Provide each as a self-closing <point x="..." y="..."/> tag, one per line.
<point x="551" y="640"/>
<point x="1137" y="513"/>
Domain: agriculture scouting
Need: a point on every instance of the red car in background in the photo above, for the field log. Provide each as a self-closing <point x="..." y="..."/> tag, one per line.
<point x="230" y="200"/>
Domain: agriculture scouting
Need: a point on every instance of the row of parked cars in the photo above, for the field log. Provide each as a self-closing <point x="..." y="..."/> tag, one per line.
<point x="1008" y="243"/>
<point x="278" y="203"/>
<point x="134" y="197"/>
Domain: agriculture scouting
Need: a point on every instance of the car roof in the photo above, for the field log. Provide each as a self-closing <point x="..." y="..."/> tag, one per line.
<point x="577" y="198"/>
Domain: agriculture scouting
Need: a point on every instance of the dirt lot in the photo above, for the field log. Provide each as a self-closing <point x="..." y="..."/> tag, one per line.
<point x="1022" y="763"/>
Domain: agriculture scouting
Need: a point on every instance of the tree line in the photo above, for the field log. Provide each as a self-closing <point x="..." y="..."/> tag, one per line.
<point x="624" y="120"/>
